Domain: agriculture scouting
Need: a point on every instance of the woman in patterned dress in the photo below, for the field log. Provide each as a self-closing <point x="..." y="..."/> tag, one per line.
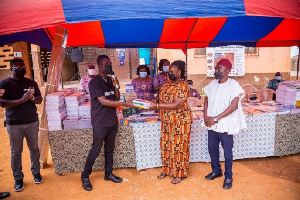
<point x="143" y="85"/>
<point x="161" y="78"/>
<point x="176" y="119"/>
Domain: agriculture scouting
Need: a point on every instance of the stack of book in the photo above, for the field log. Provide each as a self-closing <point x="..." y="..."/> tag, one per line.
<point x="85" y="122"/>
<point x="288" y="92"/>
<point x="73" y="101"/>
<point x="71" y="123"/>
<point x="85" y="109"/>
<point x="56" y="110"/>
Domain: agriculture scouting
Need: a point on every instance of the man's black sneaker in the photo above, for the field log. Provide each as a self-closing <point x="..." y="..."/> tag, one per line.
<point x="19" y="185"/>
<point x="37" y="178"/>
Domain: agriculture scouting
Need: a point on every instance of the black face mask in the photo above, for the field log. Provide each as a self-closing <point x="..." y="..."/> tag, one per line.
<point x="108" y="69"/>
<point x="20" y="73"/>
<point x="219" y="75"/>
<point x="172" y="77"/>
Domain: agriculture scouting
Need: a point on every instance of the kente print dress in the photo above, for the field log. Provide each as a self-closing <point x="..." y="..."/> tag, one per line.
<point x="175" y="130"/>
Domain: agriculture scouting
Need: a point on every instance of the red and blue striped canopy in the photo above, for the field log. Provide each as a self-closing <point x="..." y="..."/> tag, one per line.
<point x="175" y="24"/>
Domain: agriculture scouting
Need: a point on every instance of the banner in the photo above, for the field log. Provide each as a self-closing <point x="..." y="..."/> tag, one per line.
<point x="235" y="54"/>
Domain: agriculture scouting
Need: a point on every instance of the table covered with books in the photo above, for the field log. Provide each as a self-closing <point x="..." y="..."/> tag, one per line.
<point x="272" y="130"/>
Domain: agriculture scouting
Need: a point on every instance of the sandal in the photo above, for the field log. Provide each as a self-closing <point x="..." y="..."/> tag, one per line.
<point x="162" y="175"/>
<point x="176" y="180"/>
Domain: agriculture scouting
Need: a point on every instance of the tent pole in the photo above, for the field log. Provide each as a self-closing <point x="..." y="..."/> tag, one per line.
<point x="53" y="79"/>
<point x="298" y="62"/>
<point x="186" y="45"/>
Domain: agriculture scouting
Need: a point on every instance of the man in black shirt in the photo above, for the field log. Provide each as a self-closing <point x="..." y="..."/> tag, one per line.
<point x="21" y="95"/>
<point x="104" y="100"/>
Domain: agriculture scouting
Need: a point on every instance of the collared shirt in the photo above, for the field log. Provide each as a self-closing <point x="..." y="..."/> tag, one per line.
<point x="220" y="97"/>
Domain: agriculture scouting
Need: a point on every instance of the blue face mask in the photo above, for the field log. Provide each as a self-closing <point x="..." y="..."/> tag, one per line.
<point x="143" y="74"/>
<point x="166" y="68"/>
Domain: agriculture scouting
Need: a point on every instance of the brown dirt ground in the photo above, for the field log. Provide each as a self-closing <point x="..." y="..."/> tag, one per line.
<point x="260" y="178"/>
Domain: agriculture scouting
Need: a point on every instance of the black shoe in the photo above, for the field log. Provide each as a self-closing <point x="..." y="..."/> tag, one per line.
<point x="19" y="185"/>
<point x="37" y="178"/>
<point x="4" y="194"/>
<point x="227" y="183"/>
<point x="86" y="184"/>
<point x="113" y="178"/>
<point x="212" y="176"/>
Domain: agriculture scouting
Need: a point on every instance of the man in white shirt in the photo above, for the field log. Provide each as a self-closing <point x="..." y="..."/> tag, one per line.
<point x="224" y="117"/>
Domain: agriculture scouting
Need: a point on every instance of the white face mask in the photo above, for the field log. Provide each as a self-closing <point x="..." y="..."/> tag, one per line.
<point x="91" y="71"/>
<point x="166" y="68"/>
<point x="190" y="86"/>
<point x="278" y="77"/>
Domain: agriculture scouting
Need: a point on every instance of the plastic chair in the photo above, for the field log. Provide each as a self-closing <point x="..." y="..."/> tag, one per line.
<point x="265" y="94"/>
<point x="249" y="90"/>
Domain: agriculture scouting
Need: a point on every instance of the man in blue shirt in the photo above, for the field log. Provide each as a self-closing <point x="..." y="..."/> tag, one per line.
<point x="273" y="84"/>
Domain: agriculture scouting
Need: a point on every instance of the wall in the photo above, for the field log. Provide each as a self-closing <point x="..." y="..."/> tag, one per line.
<point x="259" y="69"/>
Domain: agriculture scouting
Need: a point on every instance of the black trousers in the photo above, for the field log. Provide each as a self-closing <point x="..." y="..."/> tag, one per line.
<point x="100" y="134"/>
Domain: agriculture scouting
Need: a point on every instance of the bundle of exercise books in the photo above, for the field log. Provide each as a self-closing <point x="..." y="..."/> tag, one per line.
<point x="85" y="122"/>
<point x="71" y="123"/>
<point x="73" y="101"/>
<point x="85" y="109"/>
<point x="56" y="110"/>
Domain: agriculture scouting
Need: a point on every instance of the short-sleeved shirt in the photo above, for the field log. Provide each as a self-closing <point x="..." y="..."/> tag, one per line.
<point x="159" y="80"/>
<point x="273" y="84"/>
<point x="220" y="97"/>
<point x="24" y="113"/>
<point x="102" y="116"/>
<point x="143" y="90"/>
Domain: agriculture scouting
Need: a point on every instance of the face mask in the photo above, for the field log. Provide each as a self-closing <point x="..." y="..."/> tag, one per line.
<point x="172" y="77"/>
<point x="190" y="86"/>
<point x="143" y="74"/>
<point x="20" y="73"/>
<point x="219" y="75"/>
<point x="108" y="69"/>
<point x="165" y="68"/>
<point x="91" y="72"/>
<point x="278" y="77"/>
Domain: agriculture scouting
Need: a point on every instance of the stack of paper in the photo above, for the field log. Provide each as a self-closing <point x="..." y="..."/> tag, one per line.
<point x="56" y="110"/>
<point x="84" y="122"/>
<point x="71" y="123"/>
<point x="287" y="92"/>
<point x="85" y="109"/>
<point x="72" y="102"/>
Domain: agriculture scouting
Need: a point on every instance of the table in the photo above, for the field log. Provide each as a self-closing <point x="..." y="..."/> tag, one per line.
<point x="138" y="144"/>
<point x="255" y="141"/>
<point x="69" y="149"/>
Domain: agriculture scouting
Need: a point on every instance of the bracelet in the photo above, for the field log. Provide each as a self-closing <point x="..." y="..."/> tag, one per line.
<point x="157" y="106"/>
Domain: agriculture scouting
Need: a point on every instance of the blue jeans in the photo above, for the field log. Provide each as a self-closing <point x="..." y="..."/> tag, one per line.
<point x="16" y="136"/>
<point x="214" y="138"/>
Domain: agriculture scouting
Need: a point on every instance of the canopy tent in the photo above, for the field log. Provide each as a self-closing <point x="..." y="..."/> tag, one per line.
<point x="174" y="24"/>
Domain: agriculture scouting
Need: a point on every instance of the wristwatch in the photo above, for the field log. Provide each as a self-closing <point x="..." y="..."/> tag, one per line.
<point x="215" y="120"/>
